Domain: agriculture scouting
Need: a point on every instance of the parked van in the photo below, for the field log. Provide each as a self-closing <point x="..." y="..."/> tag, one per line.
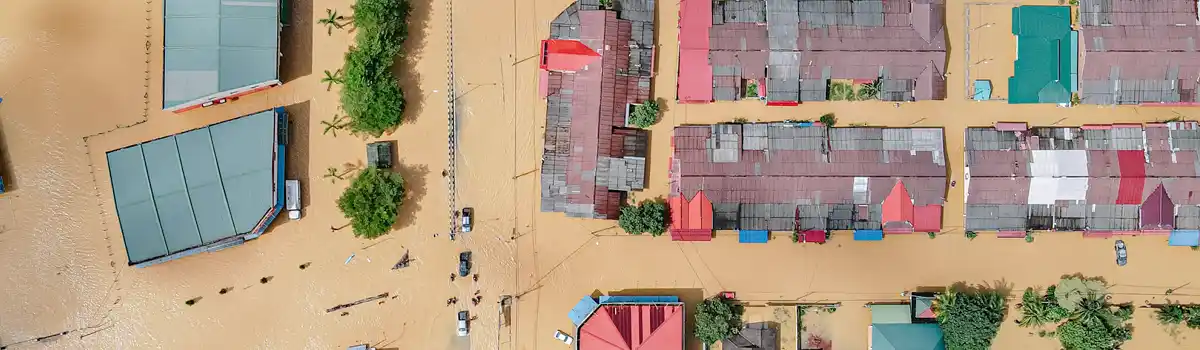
<point x="292" y="197"/>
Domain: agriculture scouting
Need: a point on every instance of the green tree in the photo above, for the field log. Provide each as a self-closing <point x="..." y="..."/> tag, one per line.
<point x="371" y="202"/>
<point x="645" y="115"/>
<point x="647" y="216"/>
<point x="971" y="235"/>
<point x="969" y="320"/>
<point x="1170" y="314"/>
<point x="828" y="119"/>
<point x="332" y="20"/>
<point x="331" y="78"/>
<point x="371" y="95"/>
<point x="387" y="19"/>
<point x="718" y="318"/>
<point x="1038" y="310"/>
<point x="870" y="91"/>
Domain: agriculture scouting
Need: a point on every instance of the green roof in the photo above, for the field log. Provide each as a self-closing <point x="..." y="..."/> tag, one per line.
<point x="1045" y="60"/>
<point x="911" y="336"/>
<point x="890" y="313"/>
<point x="196" y="188"/>
<point x="214" y="47"/>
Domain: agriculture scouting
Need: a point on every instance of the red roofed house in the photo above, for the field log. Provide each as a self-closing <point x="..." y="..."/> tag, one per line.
<point x="808" y="179"/>
<point x="596" y="64"/>
<point x="691" y="220"/>
<point x="633" y="326"/>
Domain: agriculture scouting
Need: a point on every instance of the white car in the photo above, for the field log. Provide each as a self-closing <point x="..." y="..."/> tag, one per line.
<point x="468" y="215"/>
<point x="563" y="337"/>
<point x="462" y="323"/>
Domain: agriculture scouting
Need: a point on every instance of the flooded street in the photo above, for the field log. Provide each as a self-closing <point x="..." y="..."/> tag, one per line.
<point x="82" y="78"/>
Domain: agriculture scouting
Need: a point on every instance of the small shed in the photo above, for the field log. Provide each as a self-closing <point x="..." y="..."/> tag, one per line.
<point x="380" y="155"/>
<point x="754" y="236"/>
<point x="1184" y="238"/>
<point x="754" y="336"/>
<point x="868" y="235"/>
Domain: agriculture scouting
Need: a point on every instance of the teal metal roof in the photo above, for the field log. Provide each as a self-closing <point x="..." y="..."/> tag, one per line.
<point x="195" y="188"/>
<point x="214" y="46"/>
<point x="1046" y="62"/>
<point x="911" y="336"/>
<point x="890" y="313"/>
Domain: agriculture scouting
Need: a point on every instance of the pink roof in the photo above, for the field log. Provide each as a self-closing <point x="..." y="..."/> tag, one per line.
<point x="1158" y="212"/>
<point x="695" y="74"/>
<point x="927" y="218"/>
<point x="633" y="327"/>
<point x="691" y="220"/>
<point x="567" y="55"/>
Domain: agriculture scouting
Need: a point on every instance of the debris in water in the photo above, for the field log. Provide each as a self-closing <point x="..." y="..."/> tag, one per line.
<point x="348" y="259"/>
<point x="356" y="302"/>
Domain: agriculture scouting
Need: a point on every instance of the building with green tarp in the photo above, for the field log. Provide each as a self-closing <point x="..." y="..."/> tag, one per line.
<point x="202" y="190"/>
<point x="1047" y="65"/>
<point x="216" y="50"/>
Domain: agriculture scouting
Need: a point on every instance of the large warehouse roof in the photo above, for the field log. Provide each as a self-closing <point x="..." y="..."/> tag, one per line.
<point x="214" y="47"/>
<point x="196" y="188"/>
<point x="1139" y="51"/>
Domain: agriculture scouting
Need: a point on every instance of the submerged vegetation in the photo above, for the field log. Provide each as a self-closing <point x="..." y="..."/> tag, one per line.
<point x="372" y="201"/>
<point x="1078" y="310"/>
<point x="645" y="115"/>
<point x="970" y="320"/>
<point x="371" y="95"/>
<point x="718" y="318"/>
<point x="646" y="217"/>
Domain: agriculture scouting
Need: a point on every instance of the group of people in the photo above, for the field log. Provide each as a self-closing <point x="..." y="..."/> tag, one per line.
<point x="474" y="300"/>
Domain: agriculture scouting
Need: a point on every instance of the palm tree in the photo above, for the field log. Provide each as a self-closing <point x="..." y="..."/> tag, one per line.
<point x="338" y="122"/>
<point x="332" y="174"/>
<point x="870" y="91"/>
<point x="332" y="20"/>
<point x="331" y="78"/>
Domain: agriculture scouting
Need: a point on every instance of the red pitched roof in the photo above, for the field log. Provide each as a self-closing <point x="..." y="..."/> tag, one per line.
<point x="695" y="74"/>
<point x="691" y="220"/>
<point x="633" y="327"/>
<point x="567" y="55"/>
<point x="898" y="210"/>
<point x="927" y="218"/>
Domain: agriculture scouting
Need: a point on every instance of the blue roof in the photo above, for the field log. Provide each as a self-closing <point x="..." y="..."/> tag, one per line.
<point x="983" y="90"/>
<point x="753" y="236"/>
<point x="1185" y="238"/>
<point x="213" y="47"/>
<point x="582" y="309"/>
<point x="907" y="336"/>
<point x="868" y="235"/>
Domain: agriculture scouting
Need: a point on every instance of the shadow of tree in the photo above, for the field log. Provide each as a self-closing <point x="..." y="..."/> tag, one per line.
<point x="415" y="179"/>
<point x="405" y="67"/>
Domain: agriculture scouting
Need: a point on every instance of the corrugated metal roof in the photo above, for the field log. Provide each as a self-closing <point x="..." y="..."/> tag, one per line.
<point x="1139" y="51"/>
<point x="783" y="176"/>
<point x="211" y="47"/>
<point x="196" y="188"/>
<point x="589" y="159"/>
<point x="1042" y="72"/>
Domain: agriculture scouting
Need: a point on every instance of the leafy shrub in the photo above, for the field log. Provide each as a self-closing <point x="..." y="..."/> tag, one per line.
<point x="828" y="119"/>
<point x="648" y="216"/>
<point x="932" y="235"/>
<point x="1170" y="314"/>
<point x="371" y="95"/>
<point x="970" y="320"/>
<point x="645" y="115"/>
<point x="718" y="318"/>
<point x="371" y="201"/>
<point x="971" y="235"/>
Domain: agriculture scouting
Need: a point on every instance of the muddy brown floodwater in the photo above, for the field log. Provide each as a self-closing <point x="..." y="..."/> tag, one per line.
<point x="80" y="78"/>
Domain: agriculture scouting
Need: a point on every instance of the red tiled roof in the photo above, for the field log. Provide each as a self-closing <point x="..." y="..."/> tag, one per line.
<point x="1133" y="176"/>
<point x="695" y="75"/>
<point x="566" y="55"/>
<point x="691" y="220"/>
<point x="633" y="327"/>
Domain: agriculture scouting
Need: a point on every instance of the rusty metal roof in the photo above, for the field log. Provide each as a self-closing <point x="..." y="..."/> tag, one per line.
<point x="1139" y="51"/>
<point x="780" y="176"/>
<point x="590" y="159"/>
<point x="1094" y="177"/>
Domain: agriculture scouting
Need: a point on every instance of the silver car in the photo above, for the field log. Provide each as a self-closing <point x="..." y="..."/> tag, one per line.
<point x="1122" y="255"/>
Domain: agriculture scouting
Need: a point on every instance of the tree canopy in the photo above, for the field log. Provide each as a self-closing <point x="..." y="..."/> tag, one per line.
<point x="718" y="318"/>
<point x="645" y="115"/>
<point x="371" y="96"/>
<point x="1078" y="310"/>
<point x="371" y="202"/>
<point x="647" y="216"/>
<point x="970" y="320"/>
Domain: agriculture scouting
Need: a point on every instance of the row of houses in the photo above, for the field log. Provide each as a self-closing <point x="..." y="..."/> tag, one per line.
<point x="785" y="52"/>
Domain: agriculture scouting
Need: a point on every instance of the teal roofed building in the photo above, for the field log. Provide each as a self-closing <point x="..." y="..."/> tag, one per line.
<point x="1047" y="65"/>
<point x="910" y="326"/>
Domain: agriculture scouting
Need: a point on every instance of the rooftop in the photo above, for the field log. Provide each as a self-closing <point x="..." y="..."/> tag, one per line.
<point x="215" y="49"/>
<point x="1047" y="59"/>
<point x="633" y="325"/>
<point x="1139" y="51"/>
<point x="1104" y="179"/>
<point x="754" y="336"/>
<point x="200" y="190"/>
<point x="788" y="50"/>
<point x="595" y="65"/>
<point x="804" y="176"/>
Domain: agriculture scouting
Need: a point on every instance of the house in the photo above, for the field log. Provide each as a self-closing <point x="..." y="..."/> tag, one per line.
<point x="629" y="323"/>
<point x="1104" y="180"/>
<point x="787" y="51"/>
<point x="909" y="326"/>
<point x="1046" y="69"/>
<point x="806" y="178"/>
<point x="202" y="190"/>
<point x="1139" y="52"/>
<point x="753" y="336"/>
<point x="595" y="67"/>
<point x="215" y="51"/>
